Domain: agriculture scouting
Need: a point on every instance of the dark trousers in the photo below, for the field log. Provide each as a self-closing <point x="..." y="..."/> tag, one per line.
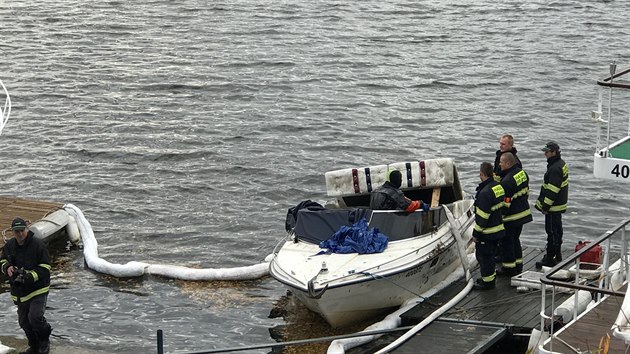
<point x="553" y="227"/>
<point x="31" y="319"/>
<point x="485" y="252"/>
<point x="511" y="249"/>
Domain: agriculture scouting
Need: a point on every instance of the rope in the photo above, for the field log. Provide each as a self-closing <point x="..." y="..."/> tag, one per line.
<point x="378" y="277"/>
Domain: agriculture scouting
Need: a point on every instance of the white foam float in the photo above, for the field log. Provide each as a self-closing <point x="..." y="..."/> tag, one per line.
<point x="137" y="269"/>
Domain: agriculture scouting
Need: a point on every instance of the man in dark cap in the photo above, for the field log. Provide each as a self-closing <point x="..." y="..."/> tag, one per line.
<point x="25" y="260"/>
<point x="552" y="202"/>
<point x="390" y="197"/>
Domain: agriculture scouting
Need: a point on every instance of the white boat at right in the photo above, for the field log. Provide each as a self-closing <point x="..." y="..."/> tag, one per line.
<point x="596" y="318"/>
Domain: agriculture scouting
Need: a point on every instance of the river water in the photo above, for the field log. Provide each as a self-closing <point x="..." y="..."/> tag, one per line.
<point x="185" y="129"/>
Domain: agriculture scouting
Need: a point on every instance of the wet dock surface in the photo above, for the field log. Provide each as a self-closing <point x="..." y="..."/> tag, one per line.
<point x="586" y="333"/>
<point x="479" y="321"/>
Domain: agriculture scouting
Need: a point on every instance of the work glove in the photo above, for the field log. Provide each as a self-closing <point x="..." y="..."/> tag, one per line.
<point x="21" y="276"/>
<point x="424" y="206"/>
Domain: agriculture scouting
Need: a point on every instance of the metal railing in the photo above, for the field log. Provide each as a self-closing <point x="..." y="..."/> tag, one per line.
<point x="603" y="284"/>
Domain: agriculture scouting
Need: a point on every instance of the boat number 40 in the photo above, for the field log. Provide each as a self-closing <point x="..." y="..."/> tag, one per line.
<point x="623" y="171"/>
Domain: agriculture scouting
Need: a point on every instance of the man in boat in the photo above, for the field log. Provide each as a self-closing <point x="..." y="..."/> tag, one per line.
<point x="390" y="197"/>
<point x="506" y="144"/>
<point x="489" y="202"/>
<point x="552" y="202"/>
<point x="516" y="213"/>
<point x="25" y="260"/>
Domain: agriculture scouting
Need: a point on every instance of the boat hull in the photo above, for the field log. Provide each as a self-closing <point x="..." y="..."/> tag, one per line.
<point x="347" y="304"/>
<point x="345" y="288"/>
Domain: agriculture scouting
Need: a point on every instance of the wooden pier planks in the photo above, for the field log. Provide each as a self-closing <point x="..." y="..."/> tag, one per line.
<point x="29" y="210"/>
<point x="504" y="304"/>
<point x="587" y="331"/>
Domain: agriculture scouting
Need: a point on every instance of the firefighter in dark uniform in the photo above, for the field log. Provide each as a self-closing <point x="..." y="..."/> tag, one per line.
<point x="390" y="197"/>
<point x="25" y="260"/>
<point x="506" y="144"/>
<point x="552" y="202"/>
<point x="488" y="229"/>
<point x="516" y="213"/>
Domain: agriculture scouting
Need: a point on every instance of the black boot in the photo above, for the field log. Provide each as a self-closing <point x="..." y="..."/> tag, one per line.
<point x="30" y="350"/>
<point x="519" y="268"/>
<point x="558" y="254"/>
<point x="44" y="347"/>
<point x="484" y="285"/>
<point x="547" y="261"/>
<point x="44" y="341"/>
<point x="32" y="344"/>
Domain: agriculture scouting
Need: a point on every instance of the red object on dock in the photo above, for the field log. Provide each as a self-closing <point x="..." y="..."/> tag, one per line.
<point x="592" y="256"/>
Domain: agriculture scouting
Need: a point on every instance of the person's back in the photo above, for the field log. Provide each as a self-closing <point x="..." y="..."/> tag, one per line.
<point x="390" y="197"/>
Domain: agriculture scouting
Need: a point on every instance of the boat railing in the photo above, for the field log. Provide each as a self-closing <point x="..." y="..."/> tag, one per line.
<point x="615" y="80"/>
<point x="5" y="109"/>
<point x="603" y="284"/>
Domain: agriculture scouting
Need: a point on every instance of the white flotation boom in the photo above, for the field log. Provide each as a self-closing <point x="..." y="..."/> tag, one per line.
<point x="136" y="269"/>
<point x="5" y="110"/>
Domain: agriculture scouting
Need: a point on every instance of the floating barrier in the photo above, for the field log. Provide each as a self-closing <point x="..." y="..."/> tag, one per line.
<point x="137" y="269"/>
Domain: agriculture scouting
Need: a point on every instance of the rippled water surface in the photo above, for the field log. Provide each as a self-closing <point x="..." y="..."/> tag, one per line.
<point x="185" y="129"/>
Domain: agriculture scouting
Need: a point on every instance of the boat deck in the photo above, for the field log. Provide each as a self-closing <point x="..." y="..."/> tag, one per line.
<point x="482" y="318"/>
<point x="29" y="210"/>
<point x="585" y="334"/>
<point x="621" y="149"/>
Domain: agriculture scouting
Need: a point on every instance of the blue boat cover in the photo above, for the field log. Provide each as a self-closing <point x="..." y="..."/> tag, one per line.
<point x="358" y="238"/>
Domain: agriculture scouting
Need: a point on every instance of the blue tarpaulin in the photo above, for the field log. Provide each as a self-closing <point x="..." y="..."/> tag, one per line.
<point x="358" y="238"/>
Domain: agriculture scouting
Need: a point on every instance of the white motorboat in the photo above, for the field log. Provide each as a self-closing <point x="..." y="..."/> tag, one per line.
<point x="421" y="252"/>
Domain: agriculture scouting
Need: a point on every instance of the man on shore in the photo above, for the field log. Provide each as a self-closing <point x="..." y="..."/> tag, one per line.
<point x="25" y="260"/>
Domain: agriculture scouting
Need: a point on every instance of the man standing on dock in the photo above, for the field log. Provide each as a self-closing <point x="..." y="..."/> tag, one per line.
<point x="552" y="201"/>
<point x="25" y="260"/>
<point x="488" y="229"/>
<point x="506" y="144"/>
<point x="517" y="213"/>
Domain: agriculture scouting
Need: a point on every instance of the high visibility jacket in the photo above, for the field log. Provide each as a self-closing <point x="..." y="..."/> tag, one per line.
<point x="489" y="204"/>
<point x="497" y="168"/>
<point x="554" y="193"/>
<point x="33" y="257"/>
<point x="515" y="182"/>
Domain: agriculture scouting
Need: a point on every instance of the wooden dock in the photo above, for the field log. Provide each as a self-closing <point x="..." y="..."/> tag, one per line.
<point x="29" y="210"/>
<point x="483" y="319"/>
<point x="586" y="333"/>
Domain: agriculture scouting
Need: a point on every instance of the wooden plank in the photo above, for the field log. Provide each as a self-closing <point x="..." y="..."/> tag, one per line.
<point x="435" y="200"/>
<point x="457" y="338"/>
<point x="27" y="209"/>
<point x="586" y="333"/>
<point x="504" y="304"/>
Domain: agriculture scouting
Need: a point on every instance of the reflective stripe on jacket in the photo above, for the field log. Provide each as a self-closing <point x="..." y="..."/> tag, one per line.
<point x="33" y="257"/>
<point x="489" y="203"/>
<point x="554" y="193"/>
<point x="515" y="182"/>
